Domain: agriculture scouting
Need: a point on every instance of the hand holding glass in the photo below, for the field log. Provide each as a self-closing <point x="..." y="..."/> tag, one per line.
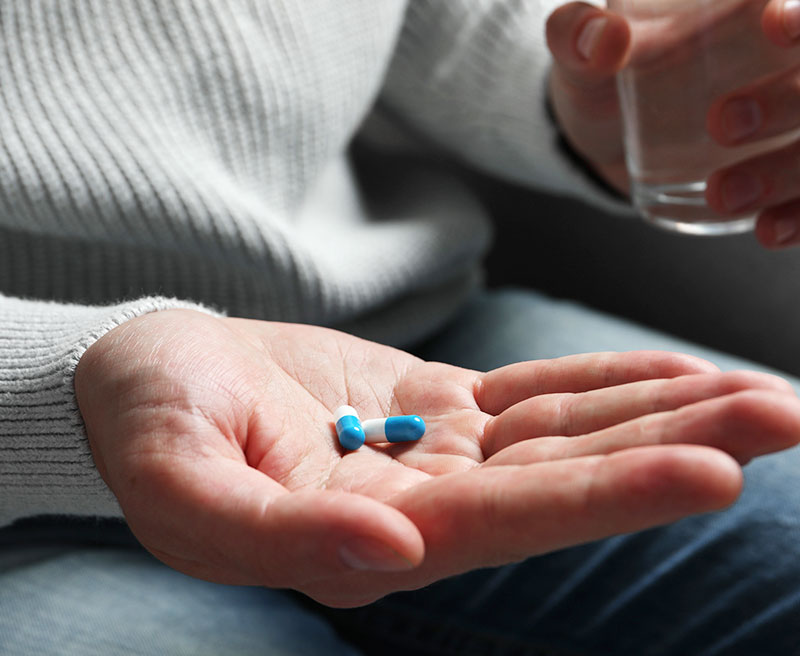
<point x="686" y="55"/>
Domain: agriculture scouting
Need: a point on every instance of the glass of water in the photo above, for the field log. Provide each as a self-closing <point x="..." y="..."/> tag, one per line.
<point x="685" y="54"/>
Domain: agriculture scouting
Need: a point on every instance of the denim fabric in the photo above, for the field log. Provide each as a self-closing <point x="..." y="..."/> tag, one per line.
<point x="723" y="584"/>
<point x="103" y="602"/>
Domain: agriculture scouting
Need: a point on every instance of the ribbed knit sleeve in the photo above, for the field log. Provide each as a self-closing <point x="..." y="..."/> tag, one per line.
<point x="472" y="75"/>
<point x="198" y="150"/>
<point x="45" y="463"/>
<point x="174" y="148"/>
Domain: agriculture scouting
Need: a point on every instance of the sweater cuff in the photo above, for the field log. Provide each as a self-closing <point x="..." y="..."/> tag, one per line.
<point x="46" y="466"/>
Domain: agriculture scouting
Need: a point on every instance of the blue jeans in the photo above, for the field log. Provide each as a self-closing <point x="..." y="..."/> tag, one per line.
<point x="720" y="584"/>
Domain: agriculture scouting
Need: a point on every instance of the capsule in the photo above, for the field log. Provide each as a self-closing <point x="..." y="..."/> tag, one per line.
<point x="348" y="428"/>
<point x="403" y="428"/>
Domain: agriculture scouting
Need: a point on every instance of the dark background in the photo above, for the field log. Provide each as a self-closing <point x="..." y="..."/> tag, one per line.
<point x="725" y="292"/>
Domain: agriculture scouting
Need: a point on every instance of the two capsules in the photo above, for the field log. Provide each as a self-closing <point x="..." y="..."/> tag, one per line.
<point x="353" y="433"/>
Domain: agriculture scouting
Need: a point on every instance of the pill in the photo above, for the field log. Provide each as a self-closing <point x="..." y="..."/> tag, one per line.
<point x="402" y="428"/>
<point x="348" y="428"/>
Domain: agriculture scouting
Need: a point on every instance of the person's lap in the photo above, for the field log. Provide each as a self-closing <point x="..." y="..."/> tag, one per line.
<point x="100" y="601"/>
<point x="726" y="583"/>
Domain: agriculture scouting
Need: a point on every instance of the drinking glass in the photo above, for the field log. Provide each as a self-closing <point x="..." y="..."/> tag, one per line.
<point x="685" y="54"/>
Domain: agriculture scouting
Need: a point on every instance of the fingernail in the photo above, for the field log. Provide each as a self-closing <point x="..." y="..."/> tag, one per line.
<point x="369" y="554"/>
<point x="791" y="18"/>
<point x="741" y="117"/>
<point x="739" y="190"/>
<point x="590" y="34"/>
<point x="784" y="229"/>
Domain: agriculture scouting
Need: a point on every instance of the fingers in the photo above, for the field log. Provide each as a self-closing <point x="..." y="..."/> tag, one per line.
<point x="779" y="227"/>
<point x="745" y="425"/>
<point x="226" y="522"/>
<point x="578" y="414"/>
<point x="765" y="108"/>
<point x="764" y="181"/>
<point x="500" y="389"/>
<point x="589" y="44"/>
<point x="781" y="22"/>
<point x="495" y="515"/>
<point x="765" y="184"/>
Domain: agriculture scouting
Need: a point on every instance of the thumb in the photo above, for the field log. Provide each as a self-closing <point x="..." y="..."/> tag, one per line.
<point x="781" y="22"/>
<point x="589" y="44"/>
<point x="221" y="520"/>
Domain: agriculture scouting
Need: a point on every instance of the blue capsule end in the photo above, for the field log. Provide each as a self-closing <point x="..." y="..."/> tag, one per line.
<point x="407" y="428"/>
<point x="350" y="433"/>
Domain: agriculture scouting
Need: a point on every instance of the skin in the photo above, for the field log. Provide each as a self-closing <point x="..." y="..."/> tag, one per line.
<point x="216" y="436"/>
<point x="583" y="92"/>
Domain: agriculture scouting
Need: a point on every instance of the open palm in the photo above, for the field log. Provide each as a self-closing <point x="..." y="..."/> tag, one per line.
<point x="216" y="436"/>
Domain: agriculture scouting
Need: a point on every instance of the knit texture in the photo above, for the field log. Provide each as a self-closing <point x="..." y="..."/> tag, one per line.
<point x="471" y="75"/>
<point x="46" y="465"/>
<point x="198" y="150"/>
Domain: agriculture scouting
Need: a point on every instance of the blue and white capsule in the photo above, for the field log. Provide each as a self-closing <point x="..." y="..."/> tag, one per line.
<point x="402" y="428"/>
<point x="348" y="428"/>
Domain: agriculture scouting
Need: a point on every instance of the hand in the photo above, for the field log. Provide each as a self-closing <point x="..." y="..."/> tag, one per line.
<point x="216" y="437"/>
<point x="591" y="44"/>
<point x="759" y="110"/>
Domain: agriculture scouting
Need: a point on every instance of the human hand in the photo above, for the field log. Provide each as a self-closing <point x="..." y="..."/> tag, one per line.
<point x="761" y="109"/>
<point x="216" y="436"/>
<point x="591" y="44"/>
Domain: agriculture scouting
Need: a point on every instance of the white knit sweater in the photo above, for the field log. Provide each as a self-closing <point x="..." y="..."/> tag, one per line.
<point x="154" y="150"/>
